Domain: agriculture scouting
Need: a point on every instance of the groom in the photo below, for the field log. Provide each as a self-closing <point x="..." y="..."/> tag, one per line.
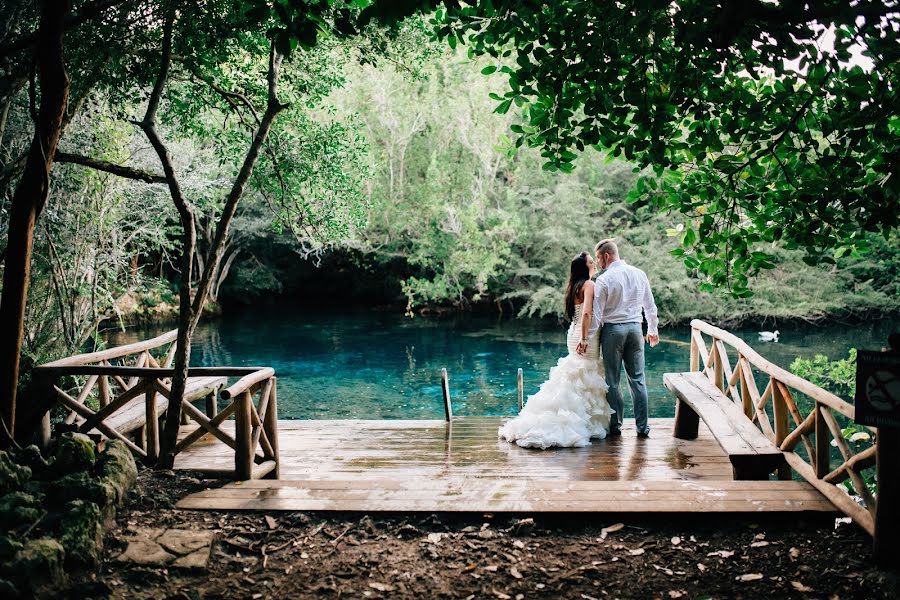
<point x="620" y="294"/>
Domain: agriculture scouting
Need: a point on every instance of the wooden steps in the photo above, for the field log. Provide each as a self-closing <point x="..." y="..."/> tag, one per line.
<point x="511" y="495"/>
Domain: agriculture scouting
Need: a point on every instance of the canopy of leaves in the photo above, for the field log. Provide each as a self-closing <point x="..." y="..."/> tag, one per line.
<point x="762" y="122"/>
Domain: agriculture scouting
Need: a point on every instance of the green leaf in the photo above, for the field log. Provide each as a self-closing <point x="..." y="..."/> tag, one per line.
<point x="488" y="70"/>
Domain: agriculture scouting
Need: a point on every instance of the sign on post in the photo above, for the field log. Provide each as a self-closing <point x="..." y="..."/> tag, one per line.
<point x="878" y="388"/>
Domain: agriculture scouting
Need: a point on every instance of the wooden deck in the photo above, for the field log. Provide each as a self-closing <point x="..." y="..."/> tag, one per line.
<point x="357" y="465"/>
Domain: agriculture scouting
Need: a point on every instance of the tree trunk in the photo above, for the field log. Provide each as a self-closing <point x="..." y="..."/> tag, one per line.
<point x="28" y="201"/>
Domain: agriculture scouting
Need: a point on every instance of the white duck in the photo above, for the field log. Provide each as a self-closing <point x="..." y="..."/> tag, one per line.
<point x="768" y="336"/>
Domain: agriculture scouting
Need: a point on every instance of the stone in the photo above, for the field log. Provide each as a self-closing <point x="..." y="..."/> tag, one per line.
<point x="145" y="552"/>
<point x="184" y="541"/>
<point x="80" y="486"/>
<point x="17" y="509"/>
<point x="9" y="547"/>
<point x="75" y="452"/>
<point x="117" y="469"/>
<point x="31" y="457"/>
<point x="12" y="475"/>
<point x="38" y="565"/>
<point x="81" y="533"/>
<point x="195" y="560"/>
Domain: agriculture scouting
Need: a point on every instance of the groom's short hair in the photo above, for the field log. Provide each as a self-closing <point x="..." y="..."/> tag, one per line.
<point x="607" y="246"/>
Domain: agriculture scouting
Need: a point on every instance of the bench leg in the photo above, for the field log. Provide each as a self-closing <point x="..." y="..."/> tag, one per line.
<point x="750" y="470"/>
<point x="212" y="405"/>
<point x="687" y="421"/>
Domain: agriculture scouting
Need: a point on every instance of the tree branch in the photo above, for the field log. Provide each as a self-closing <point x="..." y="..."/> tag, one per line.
<point x="108" y="167"/>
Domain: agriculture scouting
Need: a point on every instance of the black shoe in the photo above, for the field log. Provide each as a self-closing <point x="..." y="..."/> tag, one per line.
<point x="643" y="434"/>
<point x="614" y="433"/>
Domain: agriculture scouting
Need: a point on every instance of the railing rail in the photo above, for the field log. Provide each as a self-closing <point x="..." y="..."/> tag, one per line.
<point x="116" y="412"/>
<point x="815" y="430"/>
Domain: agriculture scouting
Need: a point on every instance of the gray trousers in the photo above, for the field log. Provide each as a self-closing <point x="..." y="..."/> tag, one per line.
<point x="623" y="343"/>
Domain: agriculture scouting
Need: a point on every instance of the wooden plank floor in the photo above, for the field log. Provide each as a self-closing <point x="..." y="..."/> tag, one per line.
<point x="428" y="466"/>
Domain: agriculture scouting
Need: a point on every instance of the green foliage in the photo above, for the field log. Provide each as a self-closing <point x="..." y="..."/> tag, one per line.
<point x="836" y="376"/>
<point x="755" y="131"/>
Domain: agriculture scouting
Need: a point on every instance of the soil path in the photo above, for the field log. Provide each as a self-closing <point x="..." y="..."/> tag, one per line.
<point x="300" y="555"/>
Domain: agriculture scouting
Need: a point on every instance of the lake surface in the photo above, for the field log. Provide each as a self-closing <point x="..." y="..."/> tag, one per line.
<point x="387" y="366"/>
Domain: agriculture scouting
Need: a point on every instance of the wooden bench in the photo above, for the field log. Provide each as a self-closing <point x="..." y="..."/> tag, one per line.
<point x="752" y="454"/>
<point x="133" y="415"/>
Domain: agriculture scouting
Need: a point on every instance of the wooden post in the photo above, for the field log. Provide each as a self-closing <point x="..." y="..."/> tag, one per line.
<point x="780" y="415"/>
<point x="445" y="388"/>
<point x="695" y="352"/>
<point x="212" y="404"/>
<point x="243" y="437"/>
<point x="270" y="426"/>
<point x="718" y="375"/>
<point x="104" y="391"/>
<point x="822" y="459"/>
<point x="152" y="423"/>
<point x="520" y="389"/>
<point x="887" y="517"/>
<point x="746" y="400"/>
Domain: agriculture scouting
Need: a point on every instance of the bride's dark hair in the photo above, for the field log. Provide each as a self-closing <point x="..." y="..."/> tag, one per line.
<point x="578" y="274"/>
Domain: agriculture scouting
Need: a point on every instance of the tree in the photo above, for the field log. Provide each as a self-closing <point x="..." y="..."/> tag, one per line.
<point x="754" y="128"/>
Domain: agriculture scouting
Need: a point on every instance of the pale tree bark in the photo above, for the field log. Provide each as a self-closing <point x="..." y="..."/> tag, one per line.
<point x="28" y="202"/>
<point x="190" y="309"/>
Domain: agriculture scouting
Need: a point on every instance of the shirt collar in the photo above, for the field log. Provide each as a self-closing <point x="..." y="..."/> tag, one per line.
<point x="613" y="265"/>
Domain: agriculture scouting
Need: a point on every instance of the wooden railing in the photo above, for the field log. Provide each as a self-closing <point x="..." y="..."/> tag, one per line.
<point x="788" y="427"/>
<point x="123" y="393"/>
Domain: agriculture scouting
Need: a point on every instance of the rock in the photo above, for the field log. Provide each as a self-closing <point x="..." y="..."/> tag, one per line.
<point x="17" y="509"/>
<point x="80" y="486"/>
<point x="32" y="458"/>
<point x="184" y="541"/>
<point x="145" y="552"/>
<point x="8" y="548"/>
<point x="38" y="565"/>
<point x="12" y="475"/>
<point x="81" y="533"/>
<point x="75" y="452"/>
<point x="117" y="469"/>
<point x="195" y="560"/>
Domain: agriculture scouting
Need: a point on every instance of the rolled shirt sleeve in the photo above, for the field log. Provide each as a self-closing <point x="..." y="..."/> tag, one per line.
<point x="650" y="311"/>
<point x="599" y="305"/>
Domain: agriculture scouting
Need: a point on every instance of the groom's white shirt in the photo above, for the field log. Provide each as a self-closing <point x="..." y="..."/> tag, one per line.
<point x="620" y="294"/>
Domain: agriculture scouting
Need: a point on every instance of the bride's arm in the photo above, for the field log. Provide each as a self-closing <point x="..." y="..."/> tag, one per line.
<point x="587" y="312"/>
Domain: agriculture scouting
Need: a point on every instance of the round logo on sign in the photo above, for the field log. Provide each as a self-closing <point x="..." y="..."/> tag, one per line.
<point x="883" y="390"/>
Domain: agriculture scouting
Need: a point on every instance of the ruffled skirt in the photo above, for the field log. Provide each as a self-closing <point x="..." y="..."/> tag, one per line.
<point x="568" y="410"/>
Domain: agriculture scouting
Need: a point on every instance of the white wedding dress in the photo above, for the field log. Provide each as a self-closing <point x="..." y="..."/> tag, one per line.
<point x="570" y="407"/>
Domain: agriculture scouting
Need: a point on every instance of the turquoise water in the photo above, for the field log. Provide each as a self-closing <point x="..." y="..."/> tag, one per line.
<point x="387" y="366"/>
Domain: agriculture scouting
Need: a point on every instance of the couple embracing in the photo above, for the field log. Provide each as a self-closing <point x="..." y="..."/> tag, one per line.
<point x="581" y="398"/>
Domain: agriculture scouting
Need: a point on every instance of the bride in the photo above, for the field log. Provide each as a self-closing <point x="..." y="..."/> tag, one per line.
<point x="570" y="407"/>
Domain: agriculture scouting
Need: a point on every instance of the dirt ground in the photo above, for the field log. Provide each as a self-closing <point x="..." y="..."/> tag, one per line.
<point x="308" y="555"/>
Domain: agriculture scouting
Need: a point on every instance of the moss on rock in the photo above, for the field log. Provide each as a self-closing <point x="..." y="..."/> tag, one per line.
<point x="81" y="533"/>
<point x="38" y="566"/>
<point x="75" y="452"/>
<point x="80" y="486"/>
<point x="18" y="508"/>
<point x="117" y="469"/>
<point x="12" y="475"/>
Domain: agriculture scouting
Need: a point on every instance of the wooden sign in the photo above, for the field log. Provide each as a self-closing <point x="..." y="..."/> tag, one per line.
<point x="878" y="388"/>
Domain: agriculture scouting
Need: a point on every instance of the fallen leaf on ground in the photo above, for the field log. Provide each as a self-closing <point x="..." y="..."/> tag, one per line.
<point x="800" y="587"/>
<point x="749" y="577"/>
<point x="434" y="538"/>
<point x="675" y="541"/>
<point x="272" y="523"/>
<point x="676" y="594"/>
<point x="515" y="573"/>
<point x="795" y="553"/>
<point x="636" y="552"/>
<point x="722" y="553"/>
<point x="469" y="568"/>
<point x="759" y="544"/>
<point x="381" y="587"/>
<point x="701" y="567"/>
<point x="501" y="595"/>
<point x="491" y="568"/>
<point x="611" y="529"/>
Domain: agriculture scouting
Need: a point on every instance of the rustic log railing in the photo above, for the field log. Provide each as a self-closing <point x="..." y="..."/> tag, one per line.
<point x="126" y="391"/>
<point x="788" y="427"/>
